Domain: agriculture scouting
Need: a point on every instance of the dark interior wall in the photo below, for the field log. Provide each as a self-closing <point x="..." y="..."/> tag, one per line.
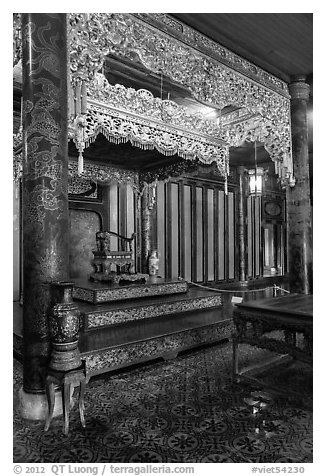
<point x="83" y="226"/>
<point x="108" y="208"/>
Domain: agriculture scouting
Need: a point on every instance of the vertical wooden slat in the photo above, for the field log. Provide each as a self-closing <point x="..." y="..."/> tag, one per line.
<point x="130" y="213"/>
<point x="113" y="214"/>
<point x="210" y="257"/>
<point x="221" y="232"/>
<point x="204" y="233"/>
<point x="160" y="201"/>
<point x="231" y="234"/>
<point x="216" y="253"/>
<point x="194" y="233"/>
<point x="168" y="228"/>
<point x="187" y="233"/>
<point x="226" y="237"/>
<point x="174" y="217"/>
<point x="249" y="236"/>
<point x="199" y="233"/>
<point x="257" y="237"/>
<point x="181" y="231"/>
<point x="122" y="209"/>
<point x="130" y="225"/>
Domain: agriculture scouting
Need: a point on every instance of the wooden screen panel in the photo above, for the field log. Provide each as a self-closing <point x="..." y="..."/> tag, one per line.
<point x="187" y="242"/>
<point x="130" y="211"/>
<point x="221" y="235"/>
<point x="254" y="237"/>
<point x="210" y="257"/>
<point x="231" y="235"/>
<point x="195" y="231"/>
<point x="174" y="245"/>
<point x="113" y="214"/>
<point x="249" y="237"/>
<point x="257" y="227"/>
<point x="199" y="234"/>
<point x="160" y="207"/>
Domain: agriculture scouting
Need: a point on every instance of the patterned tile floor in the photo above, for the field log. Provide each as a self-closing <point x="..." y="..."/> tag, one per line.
<point x="183" y="411"/>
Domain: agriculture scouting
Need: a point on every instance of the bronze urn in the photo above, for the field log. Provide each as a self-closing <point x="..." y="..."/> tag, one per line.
<point x="64" y="328"/>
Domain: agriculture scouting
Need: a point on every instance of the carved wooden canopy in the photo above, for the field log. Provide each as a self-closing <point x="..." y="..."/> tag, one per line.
<point x="252" y="104"/>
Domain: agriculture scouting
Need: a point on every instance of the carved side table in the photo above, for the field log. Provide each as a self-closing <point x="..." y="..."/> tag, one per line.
<point x="65" y="379"/>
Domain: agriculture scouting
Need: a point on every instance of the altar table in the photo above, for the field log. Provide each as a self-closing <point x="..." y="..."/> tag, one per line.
<point x="274" y="324"/>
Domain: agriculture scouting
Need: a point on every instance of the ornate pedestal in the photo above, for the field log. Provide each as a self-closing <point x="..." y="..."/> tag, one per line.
<point x="64" y="329"/>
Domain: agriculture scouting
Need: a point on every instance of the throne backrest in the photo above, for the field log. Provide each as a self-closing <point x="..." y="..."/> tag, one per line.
<point x="103" y="241"/>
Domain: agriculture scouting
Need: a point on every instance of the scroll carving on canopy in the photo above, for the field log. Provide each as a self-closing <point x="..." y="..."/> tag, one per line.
<point x="261" y="101"/>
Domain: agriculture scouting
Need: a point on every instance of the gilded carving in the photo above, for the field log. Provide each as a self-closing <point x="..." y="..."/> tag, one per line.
<point x="119" y="127"/>
<point x="97" y="362"/>
<point x="211" y="73"/>
<point x="213" y="49"/>
<point x="142" y="102"/>
<point x="119" y="316"/>
<point x="97" y="295"/>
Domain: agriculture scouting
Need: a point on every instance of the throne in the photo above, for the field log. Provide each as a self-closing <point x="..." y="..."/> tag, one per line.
<point x="122" y="258"/>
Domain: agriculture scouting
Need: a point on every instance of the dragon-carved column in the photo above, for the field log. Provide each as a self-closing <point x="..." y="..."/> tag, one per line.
<point x="298" y="197"/>
<point x="45" y="192"/>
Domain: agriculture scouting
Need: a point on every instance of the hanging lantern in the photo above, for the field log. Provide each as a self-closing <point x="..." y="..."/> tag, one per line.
<point x="256" y="177"/>
<point x="256" y="181"/>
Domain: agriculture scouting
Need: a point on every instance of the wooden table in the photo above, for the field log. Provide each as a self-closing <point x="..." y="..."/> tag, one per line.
<point x="257" y="321"/>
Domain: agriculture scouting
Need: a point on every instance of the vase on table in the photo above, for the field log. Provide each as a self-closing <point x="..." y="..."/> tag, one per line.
<point x="64" y="329"/>
<point x="153" y="263"/>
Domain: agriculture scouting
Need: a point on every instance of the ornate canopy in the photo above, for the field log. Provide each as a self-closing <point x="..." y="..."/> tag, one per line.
<point x="252" y="105"/>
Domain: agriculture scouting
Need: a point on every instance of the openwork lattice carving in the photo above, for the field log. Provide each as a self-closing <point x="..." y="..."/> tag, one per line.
<point x="209" y="47"/>
<point x="212" y="74"/>
<point x="118" y="126"/>
<point x="208" y="80"/>
<point x="143" y="103"/>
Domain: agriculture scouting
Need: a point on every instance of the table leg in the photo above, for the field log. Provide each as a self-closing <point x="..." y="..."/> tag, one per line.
<point x="81" y="402"/>
<point x="51" y="400"/>
<point x="66" y="406"/>
<point x="235" y="360"/>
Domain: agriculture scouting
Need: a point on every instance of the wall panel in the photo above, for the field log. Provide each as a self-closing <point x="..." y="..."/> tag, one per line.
<point x="196" y="231"/>
<point x="199" y="234"/>
<point x="231" y="235"/>
<point x="113" y="213"/>
<point x="221" y="236"/>
<point x="187" y="233"/>
<point x="210" y="236"/>
<point x="160" y="207"/>
<point x="174" y="236"/>
<point x="83" y="226"/>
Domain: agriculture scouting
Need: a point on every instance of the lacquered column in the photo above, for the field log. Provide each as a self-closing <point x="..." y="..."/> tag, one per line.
<point x="298" y="197"/>
<point x="45" y="175"/>
<point x="145" y="230"/>
<point x="241" y="228"/>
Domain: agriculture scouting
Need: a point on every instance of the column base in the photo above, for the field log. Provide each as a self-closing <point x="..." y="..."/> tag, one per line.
<point x="243" y="283"/>
<point x="34" y="406"/>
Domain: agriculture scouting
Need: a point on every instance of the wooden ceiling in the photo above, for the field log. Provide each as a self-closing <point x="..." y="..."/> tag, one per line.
<point x="280" y="43"/>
